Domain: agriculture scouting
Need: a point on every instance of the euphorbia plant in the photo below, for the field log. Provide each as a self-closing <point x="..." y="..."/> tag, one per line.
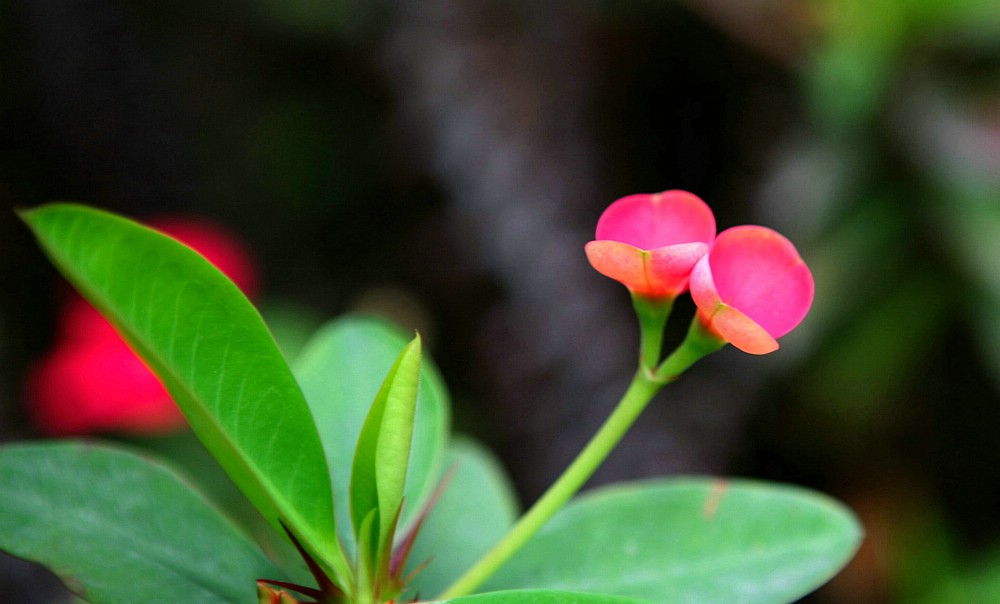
<point x="346" y="454"/>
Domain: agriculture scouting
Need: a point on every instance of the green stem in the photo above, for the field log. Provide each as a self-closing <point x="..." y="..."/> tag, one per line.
<point x="698" y="343"/>
<point x="645" y="384"/>
<point x="652" y="314"/>
<point x="639" y="393"/>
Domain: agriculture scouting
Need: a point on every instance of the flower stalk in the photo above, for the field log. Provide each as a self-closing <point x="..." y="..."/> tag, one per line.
<point x="639" y="393"/>
<point x="653" y="313"/>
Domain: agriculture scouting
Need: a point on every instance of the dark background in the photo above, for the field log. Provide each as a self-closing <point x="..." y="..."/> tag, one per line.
<point x="445" y="161"/>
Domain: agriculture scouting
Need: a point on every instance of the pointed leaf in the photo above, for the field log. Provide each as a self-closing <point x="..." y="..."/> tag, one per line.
<point x="690" y="540"/>
<point x="476" y="509"/>
<point x="392" y="454"/>
<point x="119" y="528"/>
<point x="382" y="455"/>
<point x="212" y="351"/>
<point x="341" y="371"/>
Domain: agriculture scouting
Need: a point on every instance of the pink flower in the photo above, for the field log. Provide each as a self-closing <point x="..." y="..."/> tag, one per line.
<point x="650" y="242"/>
<point x="81" y="387"/>
<point x="92" y="381"/>
<point x="752" y="288"/>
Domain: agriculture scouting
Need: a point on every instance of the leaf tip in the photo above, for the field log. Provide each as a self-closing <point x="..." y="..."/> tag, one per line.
<point x="414" y="349"/>
<point x="25" y="214"/>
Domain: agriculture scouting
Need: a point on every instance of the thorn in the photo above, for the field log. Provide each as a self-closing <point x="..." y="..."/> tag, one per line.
<point x="302" y="589"/>
<point x="327" y="588"/>
<point x="402" y="553"/>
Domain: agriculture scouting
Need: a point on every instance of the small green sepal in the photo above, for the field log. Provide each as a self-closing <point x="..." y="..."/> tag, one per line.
<point x="652" y="312"/>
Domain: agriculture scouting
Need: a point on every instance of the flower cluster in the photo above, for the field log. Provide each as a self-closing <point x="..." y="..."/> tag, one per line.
<point x="91" y="381"/>
<point x="749" y="283"/>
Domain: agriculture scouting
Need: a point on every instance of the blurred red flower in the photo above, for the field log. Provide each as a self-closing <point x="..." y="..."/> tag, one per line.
<point x="91" y="381"/>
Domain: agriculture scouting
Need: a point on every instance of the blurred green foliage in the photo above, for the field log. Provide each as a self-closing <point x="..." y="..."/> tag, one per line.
<point x="904" y="97"/>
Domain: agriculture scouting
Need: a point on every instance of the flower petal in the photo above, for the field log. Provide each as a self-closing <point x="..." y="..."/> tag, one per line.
<point x="620" y="261"/>
<point x="659" y="272"/>
<point x="740" y="330"/>
<point x="654" y="220"/>
<point x="104" y="386"/>
<point x="759" y="272"/>
<point x="752" y="288"/>
<point x="669" y="268"/>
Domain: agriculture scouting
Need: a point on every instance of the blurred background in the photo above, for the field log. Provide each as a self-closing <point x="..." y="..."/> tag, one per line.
<point x="443" y="162"/>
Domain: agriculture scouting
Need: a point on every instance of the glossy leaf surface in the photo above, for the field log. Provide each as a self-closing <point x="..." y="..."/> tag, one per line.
<point x="382" y="455"/>
<point x="212" y="351"/>
<point x="119" y="528"/>
<point x="476" y="509"/>
<point x="341" y="371"/>
<point x="689" y="540"/>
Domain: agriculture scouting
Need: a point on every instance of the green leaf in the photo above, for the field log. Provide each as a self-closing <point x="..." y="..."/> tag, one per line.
<point x="212" y="351"/>
<point x="690" y="540"/>
<point x="366" y="571"/>
<point x="541" y="596"/>
<point x="119" y="528"/>
<point x="383" y="451"/>
<point x="341" y="371"/>
<point x="475" y="511"/>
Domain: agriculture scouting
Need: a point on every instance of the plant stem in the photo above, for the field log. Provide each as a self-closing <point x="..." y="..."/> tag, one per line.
<point x="652" y="314"/>
<point x="635" y="399"/>
<point x="698" y="343"/>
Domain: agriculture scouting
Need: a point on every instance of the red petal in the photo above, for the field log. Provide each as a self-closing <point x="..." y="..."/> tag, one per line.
<point x="752" y="288"/>
<point x="759" y="272"/>
<point x="649" y="221"/>
<point x="658" y="272"/>
<point x="739" y="330"/>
